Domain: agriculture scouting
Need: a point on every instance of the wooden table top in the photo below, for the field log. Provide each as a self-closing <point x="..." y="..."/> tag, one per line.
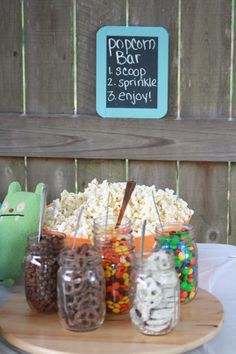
<point x="37" y="333"/>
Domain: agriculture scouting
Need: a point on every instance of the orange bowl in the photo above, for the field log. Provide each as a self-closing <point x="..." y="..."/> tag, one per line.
<point x="69" y="238"/>
<point x="149" y="242"/>
<point x="78" y="241"/>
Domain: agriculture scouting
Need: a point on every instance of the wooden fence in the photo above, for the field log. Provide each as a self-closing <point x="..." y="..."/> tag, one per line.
<point x="49" y="129"/>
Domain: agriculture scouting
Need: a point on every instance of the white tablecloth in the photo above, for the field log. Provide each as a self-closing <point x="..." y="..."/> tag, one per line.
<point x="217" y="274"/>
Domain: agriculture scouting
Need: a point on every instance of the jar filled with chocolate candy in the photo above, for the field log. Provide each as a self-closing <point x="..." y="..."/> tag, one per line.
<point x="116" y="247"/>
<point x="41" y="266"/>
<point x="81" y="289"/>
<point x="179" y="239"/>
<point x="156" y="305"/>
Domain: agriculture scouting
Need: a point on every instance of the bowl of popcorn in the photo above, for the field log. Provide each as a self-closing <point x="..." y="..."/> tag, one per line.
<point x="62" y="214"/>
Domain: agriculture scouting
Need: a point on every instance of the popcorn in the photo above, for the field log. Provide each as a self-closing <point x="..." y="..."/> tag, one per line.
<point x="62" y="214"/>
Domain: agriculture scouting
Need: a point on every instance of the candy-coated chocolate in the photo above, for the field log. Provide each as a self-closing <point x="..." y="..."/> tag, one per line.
<point x="184" y="250"/>
<point x="117" y="264"/>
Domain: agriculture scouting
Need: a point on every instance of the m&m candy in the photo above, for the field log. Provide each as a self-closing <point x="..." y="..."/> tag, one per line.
<point x="179" y="240"/>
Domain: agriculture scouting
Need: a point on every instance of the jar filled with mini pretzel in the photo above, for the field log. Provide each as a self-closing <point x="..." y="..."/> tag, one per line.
<point x="156" y="305"/>
<point x="81" y="289"/>
<point x="41" y="266"/>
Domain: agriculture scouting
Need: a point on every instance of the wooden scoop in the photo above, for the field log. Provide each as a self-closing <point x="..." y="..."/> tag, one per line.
<point x="128" y="191"/>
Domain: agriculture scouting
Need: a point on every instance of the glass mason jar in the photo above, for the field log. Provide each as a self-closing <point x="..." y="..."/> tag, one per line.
<point x="41" y="265"/>
<point x="179" y="238"/>
<point x="116" y="246"/>
<point x="81" y="289"/>
<point x="156" y="305"/>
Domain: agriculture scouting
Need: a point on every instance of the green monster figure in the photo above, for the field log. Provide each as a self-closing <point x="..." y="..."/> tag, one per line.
<point x="19" y="217"/>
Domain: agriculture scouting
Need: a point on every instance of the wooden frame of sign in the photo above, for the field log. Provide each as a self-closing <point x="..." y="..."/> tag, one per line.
<point x="132" y="72"/>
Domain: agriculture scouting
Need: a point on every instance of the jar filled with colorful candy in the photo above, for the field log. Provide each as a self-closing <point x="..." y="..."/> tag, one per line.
<point x="179" y="239"/>
<point x="116" y="246"/>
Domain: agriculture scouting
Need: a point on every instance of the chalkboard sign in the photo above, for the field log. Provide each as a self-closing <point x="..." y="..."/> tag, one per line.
<point x="132" y="72"/>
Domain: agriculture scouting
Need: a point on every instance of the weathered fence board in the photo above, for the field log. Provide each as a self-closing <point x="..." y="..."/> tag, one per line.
<point x="10" y="56"/>
<point x="205" y="58"/>
<point x="49" y="56"/>
<point x="162" y="174"/>
<point x="112" y="171"/>
<point x="11" y="169"/>
<point x="91" y="15"/>
<point x="233" y="52"/>
<point x="161" y="13"/>
<point x="58" y="174"/>
<point x="91" y="137"/>
<point x="204" y="186"/>
<point x="232" y="205"/>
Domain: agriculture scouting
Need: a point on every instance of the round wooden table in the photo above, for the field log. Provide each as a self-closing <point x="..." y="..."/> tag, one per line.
<point x="35" y="333"/>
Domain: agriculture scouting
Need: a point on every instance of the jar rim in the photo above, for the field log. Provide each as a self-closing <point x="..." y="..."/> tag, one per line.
<point x="174" y="226"/>
<point x="142" y="263"/>
<point x="50" y="245"/>
<point x="110" y="221"/>
<point x="51" y="232"/>
<point x="70" y="255"/>
<point x="34" y="236"/>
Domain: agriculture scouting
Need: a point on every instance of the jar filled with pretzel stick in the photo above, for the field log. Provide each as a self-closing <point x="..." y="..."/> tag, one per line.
<point x="116" y="247"/>
<point x="41" y="266"/>
<point x="81" y="289"/>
